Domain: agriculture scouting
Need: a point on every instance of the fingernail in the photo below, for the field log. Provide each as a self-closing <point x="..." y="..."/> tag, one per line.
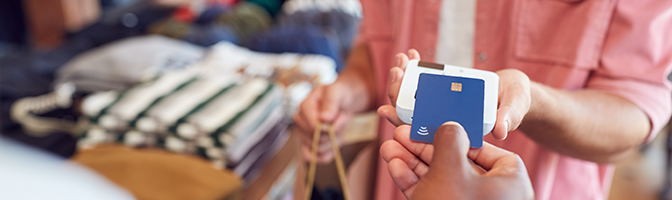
<point x="393" y="76"/>
<point x="397" y="60"/>
<point x="451" y="122"/>
<point x="506" y="126"/>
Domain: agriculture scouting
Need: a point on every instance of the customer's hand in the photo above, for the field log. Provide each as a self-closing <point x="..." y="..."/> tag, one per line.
<point x="352" y="92"/>
<point x="334" y="104"/>
<point x="326" y="104"/>
<point x="513" y="103"/>
<point x="449" y="169"/>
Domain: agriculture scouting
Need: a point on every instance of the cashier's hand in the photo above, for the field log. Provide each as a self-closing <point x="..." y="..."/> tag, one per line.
<point x="513" y="103"/>
<point x="451" y="170"/>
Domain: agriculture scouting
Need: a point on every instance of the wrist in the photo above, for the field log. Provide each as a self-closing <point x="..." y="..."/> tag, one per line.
<point x="357" y="96"/>
<point x="357" y="79"/>
<point x="541" y="103"/>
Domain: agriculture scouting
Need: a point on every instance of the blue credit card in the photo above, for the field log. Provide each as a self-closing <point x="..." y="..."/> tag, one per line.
<point x="442" y="98"/>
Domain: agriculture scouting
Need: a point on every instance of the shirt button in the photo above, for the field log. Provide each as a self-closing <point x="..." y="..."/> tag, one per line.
<point x="429" y="52"/>
<point x="482" y="56"/>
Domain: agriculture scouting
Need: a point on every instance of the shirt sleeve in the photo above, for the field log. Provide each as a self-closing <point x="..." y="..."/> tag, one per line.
<point x="637" y="59"/>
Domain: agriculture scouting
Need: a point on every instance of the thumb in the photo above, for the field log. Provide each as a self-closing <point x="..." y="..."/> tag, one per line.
<point x="331" y="105"/>
<point x="450" y="149"/>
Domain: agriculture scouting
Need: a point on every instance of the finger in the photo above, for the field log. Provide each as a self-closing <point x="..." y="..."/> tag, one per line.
<point x="487" y="156"/>
<point x="390" y="113"/>
<point x="298" y="120"/>
<point x="513" y="108"/>
<point x="302" y="126"/>
<point x="325" y="147"/>
<point x="396" y="75"/>
<point x="305" y="137"/>
<point x="414" y="54"/>
<point x="501" y="129"/>
<point x="405" y="179"/>
<point x="331" y="104"/>
<point x="401" y="60"/>
<point x="321" y="158"/>
<point x="340" y="123"/>
<point x="305" y="151"/>
<point x="506" y="121"/>
<point x="451" y="146"/>
<point x="391" y="150"/>
<point x="309" y="109"/>
<point x="422" y="150"/>
<point x="510" y="164"/>
<point x="306" y="141"/>
<point x="325" y="157"/>
<point x="510" y="170"/>
<point x="301" y="121"/>
<point x="325" y="144"/>
<point x="513" y="103"/>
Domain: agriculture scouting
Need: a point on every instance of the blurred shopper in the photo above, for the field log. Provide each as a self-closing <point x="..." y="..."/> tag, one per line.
<point x="585" y="81"/>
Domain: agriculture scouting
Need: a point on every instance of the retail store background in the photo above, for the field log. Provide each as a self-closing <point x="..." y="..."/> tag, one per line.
<point x="39" y="37"/>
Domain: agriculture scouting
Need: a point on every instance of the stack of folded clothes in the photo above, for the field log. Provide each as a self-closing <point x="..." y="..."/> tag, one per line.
<point x="232" y="107"/>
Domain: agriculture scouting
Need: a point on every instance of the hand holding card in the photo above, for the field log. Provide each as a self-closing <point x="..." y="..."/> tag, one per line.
<point x="440" y="99"/>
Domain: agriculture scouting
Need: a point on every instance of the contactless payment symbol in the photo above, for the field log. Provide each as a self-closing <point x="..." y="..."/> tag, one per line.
<point x="423" y="130"/>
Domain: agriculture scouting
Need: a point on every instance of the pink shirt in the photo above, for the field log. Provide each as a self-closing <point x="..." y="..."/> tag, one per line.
<point x="623" y="47"/>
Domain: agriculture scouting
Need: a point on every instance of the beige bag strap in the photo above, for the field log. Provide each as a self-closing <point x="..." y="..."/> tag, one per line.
<point x="337" y="154"/>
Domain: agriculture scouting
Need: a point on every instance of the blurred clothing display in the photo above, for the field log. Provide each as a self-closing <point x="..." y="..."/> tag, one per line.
<point x="351" y="7"/>
<point x="121" y="64"/>
<point x="207" y="35"/>
<point x="271" y="6"/>
<point x="342" y="24"/>
<point x="220" y="116"/>
<point x="12" y="23"/>
<point x="152" y="174"/>
<point x="314" y="27"/>
<point x="237" y="24"/>
<point x="27" y="173"/>
<point x="210" y="14"/>
<point x="27" y="74"/>
<point x="78" y="14"/>
<point x="220" y="122"/>
<point x="230" y="106"/>
<point x="246" y="20"/>
<point x="254" y="160"/>
<point x="204" y="35"/>
<point x="30" y="73"/>
<point x="299" y="39"/>
<point x="140" y="109"/>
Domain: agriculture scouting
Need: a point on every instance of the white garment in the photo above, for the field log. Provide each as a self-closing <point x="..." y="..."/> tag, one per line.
<point x="118" y="65"/>
<point x="27" y="173"/>
<point x="455" y="44"/>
